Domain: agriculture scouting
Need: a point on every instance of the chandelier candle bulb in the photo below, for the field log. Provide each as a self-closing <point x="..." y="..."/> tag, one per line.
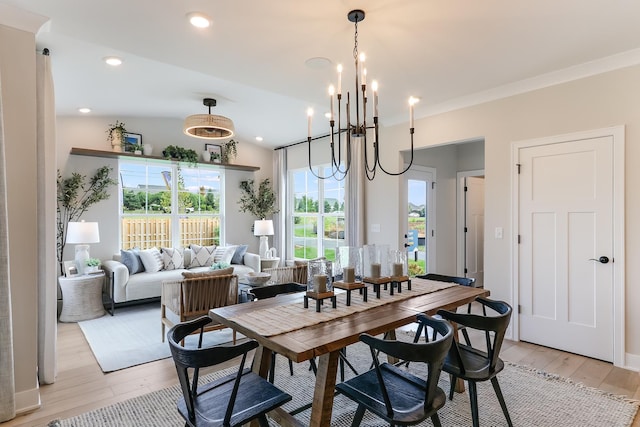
<point x="331" y="93"/>
<point x="339" y="79"/>
<point x="348" y="275"/>
<point x="375" y="270"/>
<point x="320" y="283"/>
<point x="374" y="87"/>
<point x="309" y="115"/>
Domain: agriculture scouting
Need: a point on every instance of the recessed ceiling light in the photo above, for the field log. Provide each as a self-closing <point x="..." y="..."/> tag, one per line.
<point x="259" y="138"/>
<point x="114" y="61"/>
<point x="199" y="19"/>
<point x="84" y="110"/>
<point x="318" y="63"/>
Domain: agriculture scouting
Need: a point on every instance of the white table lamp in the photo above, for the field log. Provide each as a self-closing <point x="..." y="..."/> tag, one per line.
<point x="263" y="228"/>
<point x="82" y="233"/>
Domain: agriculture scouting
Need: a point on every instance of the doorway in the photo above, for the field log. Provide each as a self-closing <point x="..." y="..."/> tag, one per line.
<point x="569" y="222"/>
<point x="420" y="214"/>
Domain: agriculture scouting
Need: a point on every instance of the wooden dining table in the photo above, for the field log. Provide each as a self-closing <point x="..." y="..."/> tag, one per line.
<point x="280" y="325"/>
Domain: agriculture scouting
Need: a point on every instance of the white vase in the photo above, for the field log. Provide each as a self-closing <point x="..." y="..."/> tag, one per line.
<point x="147" y="149"/>
<point x="206" y="156"/>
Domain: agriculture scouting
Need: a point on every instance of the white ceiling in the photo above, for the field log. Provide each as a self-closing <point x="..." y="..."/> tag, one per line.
<point x="252" y="60"/>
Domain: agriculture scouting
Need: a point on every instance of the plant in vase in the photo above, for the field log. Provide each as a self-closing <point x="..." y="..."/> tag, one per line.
<point x="229" y="151"/>
<point x="115" y="136"/>
<point x="92" y="265"/>
<point x="261" y="202"/>
<point x="181" y="154"/>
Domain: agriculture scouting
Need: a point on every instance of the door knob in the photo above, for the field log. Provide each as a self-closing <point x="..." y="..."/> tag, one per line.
<point x="602" y="259"/>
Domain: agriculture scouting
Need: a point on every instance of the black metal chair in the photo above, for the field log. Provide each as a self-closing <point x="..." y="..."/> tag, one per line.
<point x="463" y="281"/>
<point x="393" y="394"/>
<point x="474" y="364"/>
<point x="232" y="400"/>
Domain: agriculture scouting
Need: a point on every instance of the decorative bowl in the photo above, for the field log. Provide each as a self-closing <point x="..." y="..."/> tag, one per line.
<point x="257" y="279"/>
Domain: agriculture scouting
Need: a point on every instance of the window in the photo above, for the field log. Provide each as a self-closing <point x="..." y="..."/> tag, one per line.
<point x="317" y="221"/>
<point x="166" y="205"/>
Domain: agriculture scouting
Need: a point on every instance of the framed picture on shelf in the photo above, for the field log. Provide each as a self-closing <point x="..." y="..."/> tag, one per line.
<point x="132" y="141"/>
<point x="215" y="151"/>
<point x="70" y="268"/>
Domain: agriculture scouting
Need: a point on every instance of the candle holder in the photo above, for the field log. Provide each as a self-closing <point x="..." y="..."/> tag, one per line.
<point x="398" y="264"/>
<point x="319" y="283"/>
<point x="348" y="266"/>
<point x="376" y="266"/>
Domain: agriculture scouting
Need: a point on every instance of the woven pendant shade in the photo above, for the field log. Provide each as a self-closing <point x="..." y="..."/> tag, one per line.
<point x="208" y="126"/>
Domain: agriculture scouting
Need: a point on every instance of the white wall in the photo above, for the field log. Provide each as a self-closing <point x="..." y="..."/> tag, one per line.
<point x="18" y="85"/>
<point x="595" y="102"/>
<point x="90" y="132"/>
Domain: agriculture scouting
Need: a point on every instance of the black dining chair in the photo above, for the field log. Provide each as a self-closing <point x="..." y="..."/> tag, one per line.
<point x="476" y="364"/>
<point x="463" y="281"/>
<point x="233" y="400"/>
<point x="393" y="394"/>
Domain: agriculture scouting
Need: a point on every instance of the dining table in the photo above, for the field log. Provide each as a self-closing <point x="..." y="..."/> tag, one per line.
<point x="282" y="325"/>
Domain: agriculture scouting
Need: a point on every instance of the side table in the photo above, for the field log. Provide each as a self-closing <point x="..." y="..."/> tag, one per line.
<point x="269" y="263"/>
<point x="81" y="297"/>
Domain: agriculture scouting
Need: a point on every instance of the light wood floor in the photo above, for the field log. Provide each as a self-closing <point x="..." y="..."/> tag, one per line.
<point x="81" y="386"/>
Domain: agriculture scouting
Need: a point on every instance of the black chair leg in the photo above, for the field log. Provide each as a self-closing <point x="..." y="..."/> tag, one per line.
<point x="272" y="369"/>
<point x="503" y="405"/>
<point x="473" y="398"/>
<point x="357" y="418"/>
<point x="262" y="420"/>
<point x="291" y="366"/>
<point x="435" y="419"/>
<point x="453" y="379"/>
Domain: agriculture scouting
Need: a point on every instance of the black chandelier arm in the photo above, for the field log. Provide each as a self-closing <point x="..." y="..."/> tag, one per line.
<point x="340" y="175"/>
<point x="408" y="166"/>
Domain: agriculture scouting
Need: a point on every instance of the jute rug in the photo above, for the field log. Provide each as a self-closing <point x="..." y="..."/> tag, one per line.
<point x="534" y="399"/>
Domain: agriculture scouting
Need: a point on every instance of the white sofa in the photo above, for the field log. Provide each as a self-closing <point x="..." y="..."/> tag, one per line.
<point x="127" y="287"/>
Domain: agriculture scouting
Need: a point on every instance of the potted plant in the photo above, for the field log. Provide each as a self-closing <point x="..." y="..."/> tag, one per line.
<point x="229" y="151"/>
<point x="75" y="196"/>
<point x="181" y="154"/>
<point x="92" y="265"/>
<point x="260" y="202"/>
<point x="115" y="136"/>
<point x="215" y="157"/>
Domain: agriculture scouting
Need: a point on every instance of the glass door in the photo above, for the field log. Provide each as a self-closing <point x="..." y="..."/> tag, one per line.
<point x="420" y="235"/>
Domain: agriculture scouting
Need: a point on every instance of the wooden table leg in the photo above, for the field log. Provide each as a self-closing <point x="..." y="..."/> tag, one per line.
<point x="324" y="390"/>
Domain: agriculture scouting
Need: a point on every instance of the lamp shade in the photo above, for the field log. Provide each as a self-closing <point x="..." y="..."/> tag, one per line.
<point x="83" y="232"/>
<point x="208" y="126"/>
<point x="263" y="227"/>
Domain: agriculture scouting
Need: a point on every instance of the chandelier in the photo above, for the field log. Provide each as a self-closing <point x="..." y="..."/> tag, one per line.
<point x="208" y="126"/>
<point x="355" y="132"/>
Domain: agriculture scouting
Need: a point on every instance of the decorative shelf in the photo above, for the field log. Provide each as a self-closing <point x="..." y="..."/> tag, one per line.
<point x="114" y="155"/>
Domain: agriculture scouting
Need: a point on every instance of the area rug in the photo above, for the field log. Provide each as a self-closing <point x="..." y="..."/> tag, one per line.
<point x="133" y="336"/>
<point x="534" y="399"/>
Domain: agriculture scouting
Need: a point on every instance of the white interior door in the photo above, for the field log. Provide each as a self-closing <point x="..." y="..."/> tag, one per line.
<point x="474" y="229"/>
<point x="566" y="223"/>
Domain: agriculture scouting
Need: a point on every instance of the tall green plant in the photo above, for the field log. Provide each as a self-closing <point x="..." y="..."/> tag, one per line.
<point x="75" y="196"/>
<point x="261" y="202"/>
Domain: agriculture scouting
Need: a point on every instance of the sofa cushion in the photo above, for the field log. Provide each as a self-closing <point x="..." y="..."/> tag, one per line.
<point x="152" y="260"/>
<point x="238" y="255"/>
<point x="224" y="254"/>
<point x="131" y="259"/>
<point x="172" y="258"/>
<point x="201" y="256"/>
<point x="221" y="272"/>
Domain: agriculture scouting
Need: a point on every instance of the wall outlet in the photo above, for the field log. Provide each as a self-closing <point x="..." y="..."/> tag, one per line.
<point x="498" y="232"/>
<point x="375" y="228"/>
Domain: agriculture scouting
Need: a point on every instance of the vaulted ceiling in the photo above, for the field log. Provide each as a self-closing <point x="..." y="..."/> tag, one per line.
<point x="259" y="59"/>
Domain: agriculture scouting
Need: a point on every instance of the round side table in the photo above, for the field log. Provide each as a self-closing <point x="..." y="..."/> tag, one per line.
<point x="81" y="297"/>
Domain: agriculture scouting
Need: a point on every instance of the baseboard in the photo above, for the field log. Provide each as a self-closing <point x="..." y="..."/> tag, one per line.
<point x="27" y="401"/>
<point x="632" y="362"/>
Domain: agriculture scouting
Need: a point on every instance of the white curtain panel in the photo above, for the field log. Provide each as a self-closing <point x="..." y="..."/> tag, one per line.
<point x="354" y="193"/>
<point x="7" y="381"/>
<point x="280" y="189"/>
<point x="48" y="266"/>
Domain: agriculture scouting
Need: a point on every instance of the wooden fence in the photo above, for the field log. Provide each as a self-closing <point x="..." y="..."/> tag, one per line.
<point x="147" y="232"/>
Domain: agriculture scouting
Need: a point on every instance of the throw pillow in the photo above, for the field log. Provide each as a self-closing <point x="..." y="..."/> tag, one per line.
<point x="238" y="256"/>
<point x="152" y="260"/>
<point x="172" y="258"/>
<point x="224" y="254"/>
<point x="201" y="256"/>
<point x="223" y="272"/>
<point x="131" y="259"/>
